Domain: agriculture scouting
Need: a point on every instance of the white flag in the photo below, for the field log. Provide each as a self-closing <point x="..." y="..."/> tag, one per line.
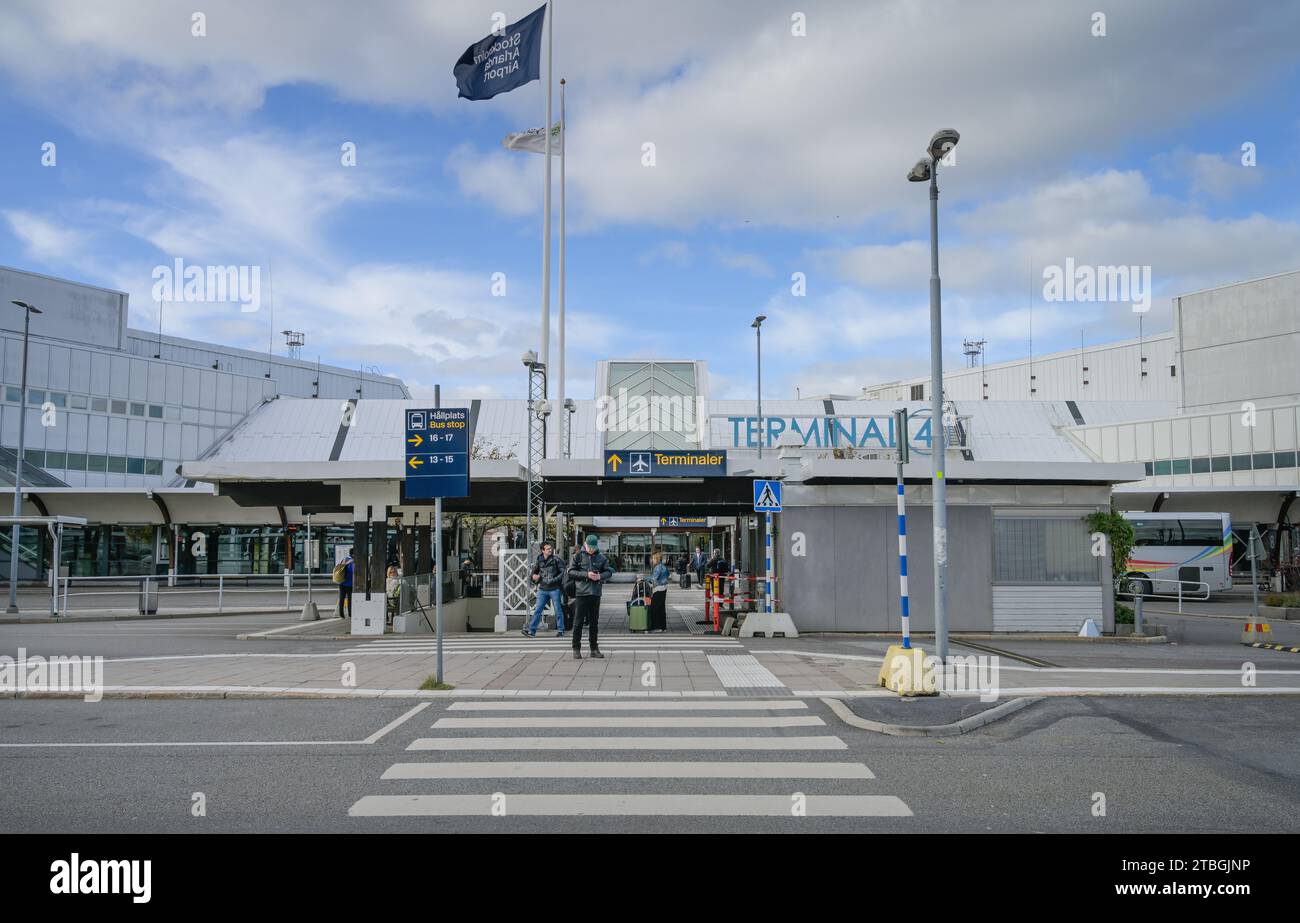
<point x="534" y="140"/>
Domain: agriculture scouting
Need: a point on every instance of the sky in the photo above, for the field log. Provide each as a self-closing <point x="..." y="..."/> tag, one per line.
<point x="1162" y="138"/>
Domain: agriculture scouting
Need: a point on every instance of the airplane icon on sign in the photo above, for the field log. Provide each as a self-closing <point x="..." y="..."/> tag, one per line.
<point x="640" y="463"/>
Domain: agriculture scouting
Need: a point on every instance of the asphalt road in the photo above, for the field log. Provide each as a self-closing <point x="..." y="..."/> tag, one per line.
<point x="1162" y="764"/>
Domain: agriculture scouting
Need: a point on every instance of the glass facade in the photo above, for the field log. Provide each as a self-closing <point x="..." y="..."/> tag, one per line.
<point x="1043" y="551"/>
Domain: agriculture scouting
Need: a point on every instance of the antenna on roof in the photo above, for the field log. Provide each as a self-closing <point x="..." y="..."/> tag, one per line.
<point x="294" y="340"/>
<point x="973" y="350"/>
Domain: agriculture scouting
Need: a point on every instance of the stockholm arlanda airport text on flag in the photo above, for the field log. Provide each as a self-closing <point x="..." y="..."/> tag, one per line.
<point x="502" y="62"/>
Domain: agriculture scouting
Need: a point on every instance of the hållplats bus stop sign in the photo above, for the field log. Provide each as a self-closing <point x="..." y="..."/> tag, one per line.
<point x="437" y="453"/>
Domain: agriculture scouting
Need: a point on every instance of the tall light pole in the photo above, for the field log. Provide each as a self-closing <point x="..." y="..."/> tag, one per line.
<point x="927" y="168"/>
<point x="28" y="311"/>
<point x="758" y="333"/>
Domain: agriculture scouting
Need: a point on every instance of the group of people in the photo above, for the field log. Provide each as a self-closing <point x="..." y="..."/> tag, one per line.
<point x="582" y="581"/>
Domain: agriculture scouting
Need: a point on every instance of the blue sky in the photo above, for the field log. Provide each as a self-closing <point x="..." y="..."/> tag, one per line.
<point x="775" y="153"/>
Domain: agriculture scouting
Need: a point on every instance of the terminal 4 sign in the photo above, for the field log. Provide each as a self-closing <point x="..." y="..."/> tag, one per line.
<point x="437" y="453"/>
<point x="828" y="432"/>
<point x="669" y="463"/>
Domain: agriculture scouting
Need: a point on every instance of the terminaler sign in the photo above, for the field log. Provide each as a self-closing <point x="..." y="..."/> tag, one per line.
<point x="668" y="463"/>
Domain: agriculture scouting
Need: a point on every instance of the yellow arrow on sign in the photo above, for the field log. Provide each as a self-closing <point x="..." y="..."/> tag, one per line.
<point x="414" y="462"/>
<point x="614" y="461"/>
<point x="417" y="440"/>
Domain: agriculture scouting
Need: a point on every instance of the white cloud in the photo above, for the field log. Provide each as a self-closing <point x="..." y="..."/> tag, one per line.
<point x="43" y="239"/>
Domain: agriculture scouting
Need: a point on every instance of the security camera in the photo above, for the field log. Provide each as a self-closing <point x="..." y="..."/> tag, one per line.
<point x="530" y="357"/>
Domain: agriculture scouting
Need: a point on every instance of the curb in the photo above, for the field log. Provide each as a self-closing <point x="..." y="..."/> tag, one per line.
<point x="965" y="726"/>
<point x="46" y="620"/>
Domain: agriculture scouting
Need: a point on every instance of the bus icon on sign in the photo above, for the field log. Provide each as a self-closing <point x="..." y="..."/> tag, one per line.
<point x="415" y="419"/>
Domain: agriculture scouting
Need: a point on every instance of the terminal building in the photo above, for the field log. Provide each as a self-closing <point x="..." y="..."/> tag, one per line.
<point x="1210" y="410"/>
<point x="265" y="452"/>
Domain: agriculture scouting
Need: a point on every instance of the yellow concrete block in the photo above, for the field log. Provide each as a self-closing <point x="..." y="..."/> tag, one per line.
<point x="907" y="671"/>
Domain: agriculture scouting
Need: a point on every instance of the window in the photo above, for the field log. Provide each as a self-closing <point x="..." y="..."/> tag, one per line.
<point x="137" y="410"/>
<point x="153" y="467"/>
<point x="1177" y="532"/>
<point x="1263" y="460"/>
<point x="155" y="411"/>
<point x="173" y="413"/>
<point x="119" y="406"/>
<point x="56" y="459"/>
<point x="36" y="397"/>
<point x="1220" y="463"/>
<point x="34" y="457"/>
<point x="78" y="402"/>
<point x="96" y="463"/>
<point x="1182" y="466"/>
<point x="135" y="466"/>
<point x="116" y="464"/>
<point x="99" y="404"/>
<point x="1164" y="467"/>
<point x="1043" y="551"/>
<point x="1241" y="463"/>
<point x="76" y="462"/>
<point x="1150" y="468"/>
<point x="1200" y="465"/>
<point x="1284" y="460"/>
<point x="58" y="400"/>
<point x="1200" y="532"/>
<point x="918" y="392"/>
<point x="13" y="395"/>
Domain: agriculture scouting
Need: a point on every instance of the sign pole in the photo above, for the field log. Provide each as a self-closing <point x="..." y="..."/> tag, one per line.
<point x="437" y="563"/>
<point x="900" y="437"/>
<point x="767" y="541"/>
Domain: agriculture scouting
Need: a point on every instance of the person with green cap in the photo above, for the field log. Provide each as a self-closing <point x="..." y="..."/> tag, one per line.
<point x="588" y="570"/>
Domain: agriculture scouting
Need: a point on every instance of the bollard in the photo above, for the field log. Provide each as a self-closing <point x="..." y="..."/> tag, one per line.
<point x="221" y="587"/>
<point x="1137" y="614"/>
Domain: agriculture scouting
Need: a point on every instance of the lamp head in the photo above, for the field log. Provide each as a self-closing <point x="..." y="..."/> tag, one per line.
<point x="944" y="140"/>
<point x="28" y="307"/>
<point x="758" y="321"/>
<point x="921" y="172"/>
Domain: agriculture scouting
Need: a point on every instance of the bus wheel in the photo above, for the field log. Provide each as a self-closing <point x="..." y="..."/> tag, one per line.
<point x="1136" y="585"/>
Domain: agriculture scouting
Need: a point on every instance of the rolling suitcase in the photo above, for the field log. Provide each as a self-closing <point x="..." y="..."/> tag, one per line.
<point x="638" y="609"/>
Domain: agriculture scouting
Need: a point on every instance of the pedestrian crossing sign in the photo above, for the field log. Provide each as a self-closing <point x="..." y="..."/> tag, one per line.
<point x="767" y="496"/>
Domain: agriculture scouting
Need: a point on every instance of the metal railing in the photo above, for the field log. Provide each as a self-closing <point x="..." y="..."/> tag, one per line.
<point x="147" y="592"/>
<point x="1133" y="587"/>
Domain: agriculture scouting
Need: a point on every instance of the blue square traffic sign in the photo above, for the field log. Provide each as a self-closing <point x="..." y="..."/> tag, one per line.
<point x="767" y="496"/>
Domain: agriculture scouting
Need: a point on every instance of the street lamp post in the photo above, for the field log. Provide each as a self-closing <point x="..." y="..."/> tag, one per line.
<point x="927" y="168"/>
<point x="758" y="333"/>
<point x="28" y="311"/>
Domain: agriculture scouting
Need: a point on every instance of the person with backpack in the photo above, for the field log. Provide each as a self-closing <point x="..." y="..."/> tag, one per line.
<point x="548" y="574"/>
<point x="588" y="572"/>
<point x="342" y="575"/>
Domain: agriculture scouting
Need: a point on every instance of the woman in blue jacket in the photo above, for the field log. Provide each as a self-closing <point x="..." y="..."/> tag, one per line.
<point x="658" y="593"/>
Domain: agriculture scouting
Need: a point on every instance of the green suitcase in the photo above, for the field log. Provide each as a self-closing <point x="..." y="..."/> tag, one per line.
<point x="638" y="617"/>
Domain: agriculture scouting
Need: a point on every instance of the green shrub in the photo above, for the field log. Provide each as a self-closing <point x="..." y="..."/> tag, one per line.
<point x="1123" y="614"/>
<point x="1290" y="600"/>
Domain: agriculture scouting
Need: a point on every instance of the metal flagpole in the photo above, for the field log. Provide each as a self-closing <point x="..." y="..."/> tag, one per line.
<point x="564" y="416"/>
<point x="546" y="201"/>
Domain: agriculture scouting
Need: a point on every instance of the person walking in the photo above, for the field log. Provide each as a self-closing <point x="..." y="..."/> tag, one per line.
<point x="548" y="575"/>
<point x="698" y="563"/>
<point x="589" y="570"/>
<point x="658" y="593"/>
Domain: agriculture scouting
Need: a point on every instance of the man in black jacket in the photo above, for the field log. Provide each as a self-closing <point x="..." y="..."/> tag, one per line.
<point x="588" y="570"/>
<point x="548" y="574"/>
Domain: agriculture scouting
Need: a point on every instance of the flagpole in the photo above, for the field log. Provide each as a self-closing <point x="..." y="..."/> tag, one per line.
<point x="561" y="413"/>
<point x="546" y="205"/>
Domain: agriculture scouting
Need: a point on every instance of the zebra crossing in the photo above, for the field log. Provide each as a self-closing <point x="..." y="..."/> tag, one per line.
<point x="620" y="758"/>
<point x="516" y="644"/>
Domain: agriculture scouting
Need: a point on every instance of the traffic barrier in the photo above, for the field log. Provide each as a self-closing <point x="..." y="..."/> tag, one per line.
<point x="1256" y="631"/>
<point x="906" y="672"/>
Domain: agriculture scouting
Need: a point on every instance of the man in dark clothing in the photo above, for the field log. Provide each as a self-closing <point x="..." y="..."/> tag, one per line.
<point x="548" y="575"/>
<point x="698" y="564"/>
<point x="345" y="588"/>
<point x="588" y="570"/>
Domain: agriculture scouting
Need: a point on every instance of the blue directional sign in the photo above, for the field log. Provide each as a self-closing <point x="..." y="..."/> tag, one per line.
<point x="666" y="463"/>
<point x="437" y="453"/>
<point x="767" y="496"/>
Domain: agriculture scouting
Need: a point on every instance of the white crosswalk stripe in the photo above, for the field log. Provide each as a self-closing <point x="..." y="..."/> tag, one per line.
<point x="517" y="644"/>
<point x="750" y="765"/>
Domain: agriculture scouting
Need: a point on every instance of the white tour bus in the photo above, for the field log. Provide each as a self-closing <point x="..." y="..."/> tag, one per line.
<point x="1193" y="549"/>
